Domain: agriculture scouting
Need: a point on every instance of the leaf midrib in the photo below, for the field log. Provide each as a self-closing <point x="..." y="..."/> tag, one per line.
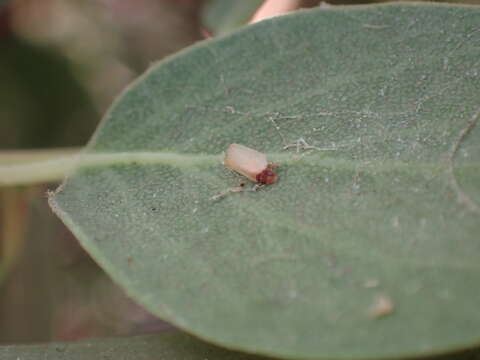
<point x="187" y="160"/>
<point x="56" y="168"/>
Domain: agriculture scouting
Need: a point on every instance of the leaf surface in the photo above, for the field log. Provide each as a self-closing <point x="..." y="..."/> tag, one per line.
<point x="163" y="346"/>
<point x="299" y="268"/>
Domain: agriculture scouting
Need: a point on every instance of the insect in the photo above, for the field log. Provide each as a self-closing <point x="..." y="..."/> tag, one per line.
<point x="250" y="163"/>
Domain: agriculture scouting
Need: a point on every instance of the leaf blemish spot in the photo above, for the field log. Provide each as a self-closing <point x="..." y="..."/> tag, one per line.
<point x="371" y="283"/>
<point x="375" y="26"/>
<point x="382" y="306"/>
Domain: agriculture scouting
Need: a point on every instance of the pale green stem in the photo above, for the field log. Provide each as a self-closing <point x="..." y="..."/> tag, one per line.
<point x="27" y="167"/>
<point x="40" y="168"/>
<point x="21" y="168"/>
<point x="15" y="157"/>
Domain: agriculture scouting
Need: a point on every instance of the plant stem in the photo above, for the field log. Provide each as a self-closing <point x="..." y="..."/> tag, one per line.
<point x="14" y="157"/>
<point x="26" y="168"/>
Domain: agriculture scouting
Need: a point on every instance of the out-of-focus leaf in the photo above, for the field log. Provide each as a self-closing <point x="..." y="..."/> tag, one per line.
<point x="471" y="2"/>
<point x="42" y="103"/>
<point x="362" y="2"/>
<point x="164" y="346"/>
<point x="153" y="29"/>
<point x="367" y="251"/>
<point x="223" y="16"/>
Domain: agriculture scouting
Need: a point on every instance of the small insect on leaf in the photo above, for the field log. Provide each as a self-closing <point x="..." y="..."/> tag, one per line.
<point x="250" y="163"/>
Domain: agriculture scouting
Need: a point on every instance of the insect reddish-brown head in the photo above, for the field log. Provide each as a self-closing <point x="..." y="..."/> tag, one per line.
<point x="267" y="176"/>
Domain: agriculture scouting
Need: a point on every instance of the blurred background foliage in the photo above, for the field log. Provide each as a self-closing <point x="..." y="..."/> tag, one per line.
<point x="61" y="64"/>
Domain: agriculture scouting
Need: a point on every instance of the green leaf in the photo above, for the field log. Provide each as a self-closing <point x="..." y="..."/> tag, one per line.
<point x="297" y="269"/>
<point x="470" y="2"/>
<point x="43" y="104"/>
<point x="223" y="16"/>
<point x="164" y="346"/>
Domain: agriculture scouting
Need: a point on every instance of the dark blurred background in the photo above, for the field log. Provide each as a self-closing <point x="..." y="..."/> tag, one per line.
<point x="62" y="62"/>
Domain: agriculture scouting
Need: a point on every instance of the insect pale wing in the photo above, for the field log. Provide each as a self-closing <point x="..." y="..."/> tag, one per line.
<point x="247" y="162"/>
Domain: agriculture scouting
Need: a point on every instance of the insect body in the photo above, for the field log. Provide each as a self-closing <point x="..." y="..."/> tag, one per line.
<point x="250" y="163"/>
